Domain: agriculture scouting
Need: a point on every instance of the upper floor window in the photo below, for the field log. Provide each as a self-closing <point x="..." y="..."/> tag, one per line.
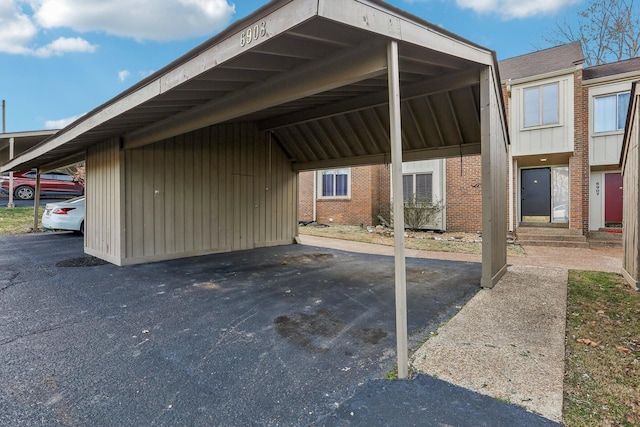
<point x="417" y="188"/>
<point x="541" y="105"/>
<point x="610" y="112"/>
<point x="335" y="182"/>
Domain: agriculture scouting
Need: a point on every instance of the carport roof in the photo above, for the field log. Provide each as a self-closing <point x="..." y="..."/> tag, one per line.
<point x="22" y="141"/>
<point x="313" y="73"/>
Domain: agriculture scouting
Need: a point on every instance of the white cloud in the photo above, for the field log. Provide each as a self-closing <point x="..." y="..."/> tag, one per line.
<point x="23" y="21"/>
<point x="61" y="123"/>
<point x="17" y="31"/>
<point x="123" y="75"/>
<point x="159" y="20"/>
<point x="509" y="9"/>
<point x="65" y="45"/>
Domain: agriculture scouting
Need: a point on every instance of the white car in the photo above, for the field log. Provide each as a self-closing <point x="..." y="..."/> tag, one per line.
<point x="68" y="215"/>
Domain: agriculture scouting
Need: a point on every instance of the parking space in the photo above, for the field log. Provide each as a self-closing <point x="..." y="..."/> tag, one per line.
<point x="290" y="335"/>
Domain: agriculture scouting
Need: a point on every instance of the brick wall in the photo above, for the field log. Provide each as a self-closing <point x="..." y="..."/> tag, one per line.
<point x="579" y="162"/>
<point x="464" y="194"/>
<point x="305" y="196"/>
<point x="369" y="195"/>
<point x="385" y="193"/>
<point x="506" y="97"/>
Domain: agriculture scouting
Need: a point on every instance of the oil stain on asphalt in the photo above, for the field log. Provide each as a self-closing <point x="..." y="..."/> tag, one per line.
<point x="315" y="332"/>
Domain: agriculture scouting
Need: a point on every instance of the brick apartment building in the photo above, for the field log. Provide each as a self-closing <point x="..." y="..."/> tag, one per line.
<point x="566" y="125"/>
<point x="362" y="201"/>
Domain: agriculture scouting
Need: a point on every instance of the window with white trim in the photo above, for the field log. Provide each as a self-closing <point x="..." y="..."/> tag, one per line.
<point x="417" y="188"/>
<point x="541" y="105"/>
<point x="610" y="112"/>
<point x="334" y="182"/>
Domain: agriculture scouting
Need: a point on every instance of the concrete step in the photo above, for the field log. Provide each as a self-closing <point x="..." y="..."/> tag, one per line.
<point x="555" y="243"/>
<point x="551" y="236"/>
<point x="605" y="238"/>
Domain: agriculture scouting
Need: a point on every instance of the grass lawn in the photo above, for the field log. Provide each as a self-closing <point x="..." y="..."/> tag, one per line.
<point x="18" y="220"/>
<point x="602" y="358"/>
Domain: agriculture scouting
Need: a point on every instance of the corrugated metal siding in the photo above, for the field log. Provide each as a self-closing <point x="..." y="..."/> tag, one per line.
<point x="102" y="207"/>
<point x="217" y="189"/>
<point x="631" y="201"/>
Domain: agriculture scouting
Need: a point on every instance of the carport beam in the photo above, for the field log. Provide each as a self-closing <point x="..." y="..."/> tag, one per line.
<point x="395" y="137"/>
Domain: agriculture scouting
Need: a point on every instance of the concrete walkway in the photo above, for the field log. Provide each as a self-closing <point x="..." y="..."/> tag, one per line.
<point x="506" y="342"/>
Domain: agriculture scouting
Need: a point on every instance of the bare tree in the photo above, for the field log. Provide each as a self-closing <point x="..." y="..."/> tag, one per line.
<point x="609" y="31"/>
<point x="76" y="171"/>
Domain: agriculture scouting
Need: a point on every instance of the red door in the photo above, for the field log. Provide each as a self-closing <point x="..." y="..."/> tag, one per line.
<point x="613" y="200"/>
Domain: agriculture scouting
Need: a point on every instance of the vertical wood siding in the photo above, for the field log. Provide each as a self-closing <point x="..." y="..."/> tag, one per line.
<point x="103" y="208"/>
<point x="543" y="139"/>
<point x="630" y="202"/>
<point x="216" y="189"/>
<point x="494" y="181"/>
<point x="605" y="147"/>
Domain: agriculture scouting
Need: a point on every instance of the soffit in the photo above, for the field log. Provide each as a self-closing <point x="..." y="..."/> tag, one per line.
<point x="317" y="85"/>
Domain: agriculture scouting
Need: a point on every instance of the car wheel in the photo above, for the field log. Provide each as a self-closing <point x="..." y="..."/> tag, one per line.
<point x="81" y="231"/>
<point x="24" y="192"/>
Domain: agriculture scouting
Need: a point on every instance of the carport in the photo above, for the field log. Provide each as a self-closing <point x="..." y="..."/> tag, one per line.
<point x="630" y="162"/>
<point x="202" y="156"/>
<point x="12" y="144"/>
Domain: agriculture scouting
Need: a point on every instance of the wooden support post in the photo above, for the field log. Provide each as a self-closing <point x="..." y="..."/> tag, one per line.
<point x="36" y="202"/>
<point x="11" y="204"/>
<point x="395" y="134"/>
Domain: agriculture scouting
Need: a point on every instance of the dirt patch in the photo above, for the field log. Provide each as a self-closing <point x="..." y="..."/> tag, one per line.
<point x="467" y="243"/>
<point x="306" y="258"/>
<point x="87" y="261"/>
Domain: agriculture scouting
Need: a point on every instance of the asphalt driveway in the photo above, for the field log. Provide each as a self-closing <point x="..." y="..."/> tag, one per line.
<point x="4" y="200"/>
<point x="293" y="335"/>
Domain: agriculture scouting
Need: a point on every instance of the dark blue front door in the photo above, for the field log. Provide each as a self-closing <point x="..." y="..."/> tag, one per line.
<point x="536" y="194"/>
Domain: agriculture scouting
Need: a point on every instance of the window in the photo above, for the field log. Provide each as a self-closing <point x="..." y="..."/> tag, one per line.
<point x="610" y="112"/>
<point x="334" y="182"/>
<point x="417" y="188"/>
<point x="541" y="105"/>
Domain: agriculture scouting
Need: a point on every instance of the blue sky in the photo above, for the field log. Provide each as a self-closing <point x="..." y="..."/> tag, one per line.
<point x="60" y="59"/>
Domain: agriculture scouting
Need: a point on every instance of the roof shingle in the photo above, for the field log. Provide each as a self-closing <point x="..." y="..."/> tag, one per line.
<point x="541" y="62"/>
<point x="611" y="69"/>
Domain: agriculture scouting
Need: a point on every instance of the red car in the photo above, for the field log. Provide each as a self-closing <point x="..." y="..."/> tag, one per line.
<point x="51" y="184"/>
